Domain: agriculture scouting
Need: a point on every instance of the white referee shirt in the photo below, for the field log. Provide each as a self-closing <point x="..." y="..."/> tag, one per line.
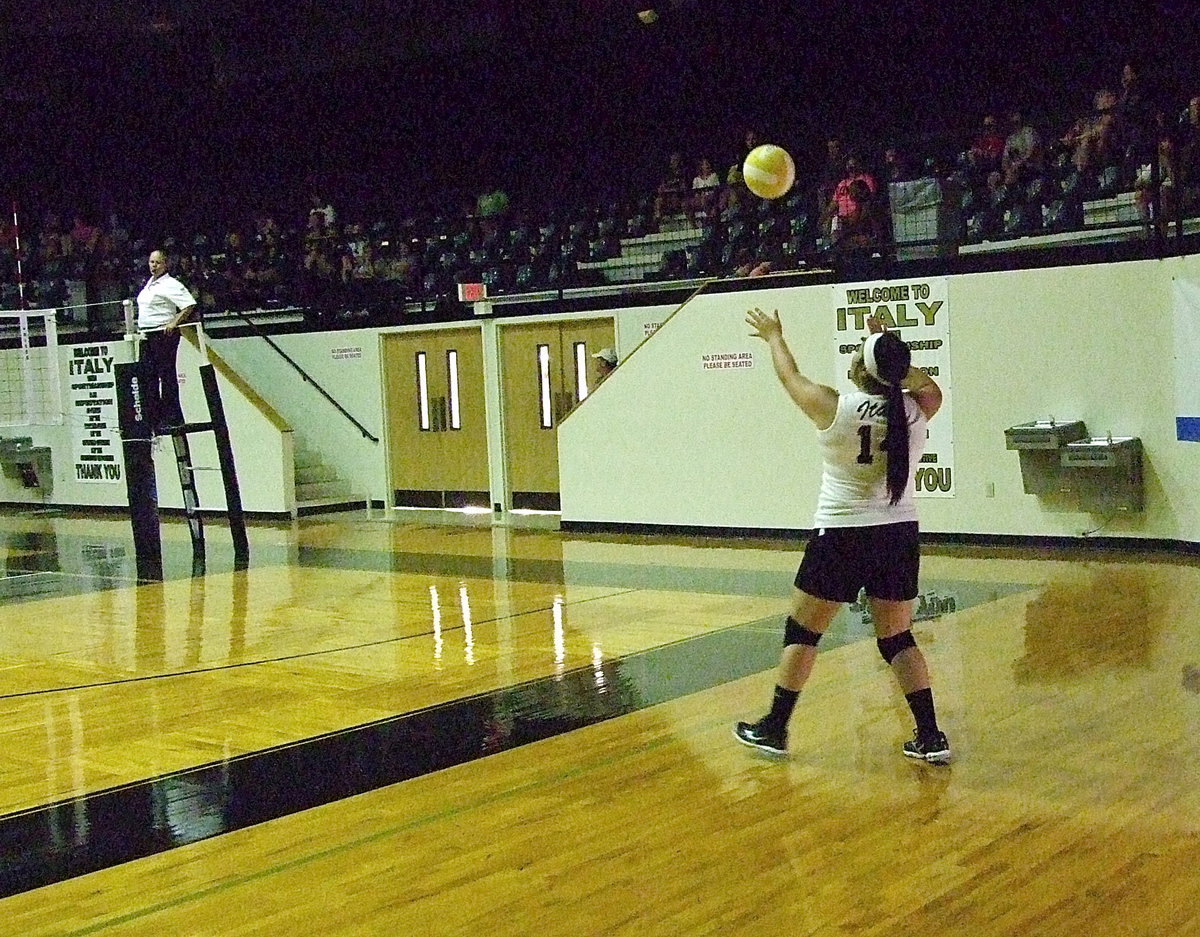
<point x="160" y="301"/>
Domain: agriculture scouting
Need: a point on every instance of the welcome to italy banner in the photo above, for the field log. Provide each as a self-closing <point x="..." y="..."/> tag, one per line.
<point x="919" y="311"/>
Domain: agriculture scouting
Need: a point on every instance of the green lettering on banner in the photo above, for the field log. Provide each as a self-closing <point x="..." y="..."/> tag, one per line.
<point x="929" y="311"/>
<point x="858" y="313"/>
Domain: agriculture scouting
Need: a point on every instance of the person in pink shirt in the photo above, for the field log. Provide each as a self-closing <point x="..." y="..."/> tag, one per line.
<point x="843" y="206"/>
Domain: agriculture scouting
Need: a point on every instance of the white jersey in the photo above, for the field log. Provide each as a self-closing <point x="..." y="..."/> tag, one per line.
<point x="854" y="478"/>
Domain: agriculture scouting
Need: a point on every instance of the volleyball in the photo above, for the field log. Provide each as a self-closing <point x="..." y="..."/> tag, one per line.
<point x="769" y="171"/>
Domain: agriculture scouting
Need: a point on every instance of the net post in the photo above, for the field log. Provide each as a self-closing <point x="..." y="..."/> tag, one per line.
<point x="140" y="483"/>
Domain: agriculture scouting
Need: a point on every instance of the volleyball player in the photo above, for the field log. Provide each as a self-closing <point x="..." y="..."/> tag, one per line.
<point x="865" y="527"/>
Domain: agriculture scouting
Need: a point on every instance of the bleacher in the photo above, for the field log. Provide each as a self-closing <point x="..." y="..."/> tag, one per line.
<point x="420" y="262"/>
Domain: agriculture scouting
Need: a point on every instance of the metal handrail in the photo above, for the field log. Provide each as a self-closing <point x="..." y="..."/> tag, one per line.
<point x="254" y="327"/>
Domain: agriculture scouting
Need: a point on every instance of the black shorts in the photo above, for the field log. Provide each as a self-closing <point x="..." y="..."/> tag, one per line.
<point x="839" y="561"/>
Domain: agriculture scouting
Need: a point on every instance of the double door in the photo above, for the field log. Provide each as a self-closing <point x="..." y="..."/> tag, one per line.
<point x="437" y="432"/>
<point x="547" y="370"/>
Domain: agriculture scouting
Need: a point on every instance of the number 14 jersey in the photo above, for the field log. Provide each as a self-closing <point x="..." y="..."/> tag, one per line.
<point x="854" y="474"/>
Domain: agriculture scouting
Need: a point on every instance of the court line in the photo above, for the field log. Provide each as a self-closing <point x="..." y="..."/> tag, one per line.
<point x="836" y="641"/>
<point x="379" y="836"/>
<point x="300" y="656"/>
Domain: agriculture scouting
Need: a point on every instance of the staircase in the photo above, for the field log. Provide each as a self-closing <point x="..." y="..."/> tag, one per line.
<point x="318" y="487"/>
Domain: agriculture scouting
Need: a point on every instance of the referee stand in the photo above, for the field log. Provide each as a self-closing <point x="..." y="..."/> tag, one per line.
<point x="137" y="444"/>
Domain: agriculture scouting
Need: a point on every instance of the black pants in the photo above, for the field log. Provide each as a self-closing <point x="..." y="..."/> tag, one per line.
<point x="160" y="398"/>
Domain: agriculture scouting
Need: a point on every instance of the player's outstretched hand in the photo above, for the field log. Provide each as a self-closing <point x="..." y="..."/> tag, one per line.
<point x="874" y="325"/>
<point x="765" y="326"/>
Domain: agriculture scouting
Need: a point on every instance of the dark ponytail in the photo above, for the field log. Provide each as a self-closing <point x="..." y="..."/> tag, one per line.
<point x="895" y="444"/>
<point x="892" y="359"/>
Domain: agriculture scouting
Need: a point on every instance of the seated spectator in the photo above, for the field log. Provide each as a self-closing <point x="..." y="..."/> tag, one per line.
<point x="1178" y="172"/>
<point x="984" y="155"/>
<point x="266" y="231"/>
<point x="394" y="262"/>
<point x="119" y="232"/>
<point x="750" y="141"/>
<point x="357" y="244"/>
<point x="672" y="191"/>
<point x="843" y="206"/>
<point x="1091" y="142"/>
<point x="235" y="247"/>
<point x="831" y="173"/>
<point x="748" y="265"/>
<point x="84" y="235"/>
<point x="319" y="205"/>
<point x="262" y="278"/>
<point x="896" y="166"/>
<point x="860" y="222"/>
<point x="734" y="198"/>
<point x="1188" y="153"/>
<point x="1137" y="115"/>
<point x="1022" y="159"/>
<point x="52" y="252"/>
<point x="706" y="188"/>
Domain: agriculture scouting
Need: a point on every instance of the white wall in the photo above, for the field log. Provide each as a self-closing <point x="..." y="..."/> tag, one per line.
<point x="347" y="365"/>
<point x="262" y="448"/>
<point x="663" y="442"/>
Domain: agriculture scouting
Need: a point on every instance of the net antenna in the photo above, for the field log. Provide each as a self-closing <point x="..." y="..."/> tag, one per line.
<point x="18" y="254"/>
<point x="30" y="387"/>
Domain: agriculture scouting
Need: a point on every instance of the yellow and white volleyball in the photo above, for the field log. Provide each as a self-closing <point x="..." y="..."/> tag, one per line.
<point x="769" y="171"/>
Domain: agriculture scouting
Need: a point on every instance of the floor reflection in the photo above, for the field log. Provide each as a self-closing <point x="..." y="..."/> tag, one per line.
<point x="1103" y="623"/>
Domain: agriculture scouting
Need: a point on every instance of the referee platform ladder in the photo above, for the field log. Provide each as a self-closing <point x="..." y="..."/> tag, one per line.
<point x="137" y="443"/>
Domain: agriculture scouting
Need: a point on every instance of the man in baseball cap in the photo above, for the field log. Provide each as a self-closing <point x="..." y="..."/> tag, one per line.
<point x="606" y="360"/>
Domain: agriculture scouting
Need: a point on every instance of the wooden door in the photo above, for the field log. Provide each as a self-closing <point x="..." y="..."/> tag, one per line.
<point x="437" y="433"/>
<point x="464" y="474"/>
<point x="581" y="340"/>
<point x="546" y="369"/>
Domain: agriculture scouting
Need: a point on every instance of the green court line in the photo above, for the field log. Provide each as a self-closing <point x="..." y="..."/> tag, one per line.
<point x="842" y="637"/>
<point x="416" y="823"/>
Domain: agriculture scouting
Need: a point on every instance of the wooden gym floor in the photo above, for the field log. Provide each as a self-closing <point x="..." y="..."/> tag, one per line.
<point x="436" y="726"/>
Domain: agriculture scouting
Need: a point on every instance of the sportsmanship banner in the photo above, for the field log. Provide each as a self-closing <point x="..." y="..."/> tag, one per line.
<point x="93" y="409"/>
<point x="919" y="311"/>
<point x="1187" y="361"/>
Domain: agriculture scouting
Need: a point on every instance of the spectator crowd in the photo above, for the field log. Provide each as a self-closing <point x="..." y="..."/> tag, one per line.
<point x="1009" y="179"/>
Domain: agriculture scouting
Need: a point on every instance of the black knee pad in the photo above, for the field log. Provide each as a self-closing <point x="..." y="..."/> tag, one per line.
<point x="796" y="633"/>
<point x="893" y="644"/>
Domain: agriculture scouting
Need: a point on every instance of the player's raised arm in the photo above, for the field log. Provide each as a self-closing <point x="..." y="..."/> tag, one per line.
<point x="920" y="386"/>
<point x="924" y="390"/>
<point x="818" y="401"/>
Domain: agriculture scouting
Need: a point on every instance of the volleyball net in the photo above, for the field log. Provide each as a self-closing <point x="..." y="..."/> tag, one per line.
<point x="30" y="387"/>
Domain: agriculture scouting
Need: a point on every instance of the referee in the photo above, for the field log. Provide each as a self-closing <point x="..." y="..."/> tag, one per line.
<point x="163" y="304"/>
